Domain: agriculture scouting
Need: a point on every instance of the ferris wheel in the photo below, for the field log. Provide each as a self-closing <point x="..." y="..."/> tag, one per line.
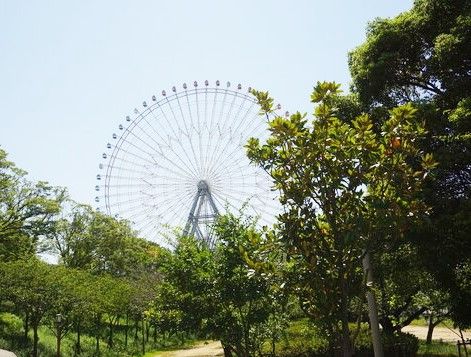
<point x="179" y="161"/>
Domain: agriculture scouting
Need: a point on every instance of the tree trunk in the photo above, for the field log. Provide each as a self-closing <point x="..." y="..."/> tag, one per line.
<point x="78" y="347"/>
<point x="431" y="326"/>
<point x="126" y="331"/>
<point x="136" y="329"/>
<point x="26" y="326"/>
<point x="97" y="336"/>
<point x="346" y="345"/>
<point x="388" y="327"/>
<point x="155" y="333"/>
<point x="273" y="345"/>
<point x="143" y="337"/>
<point x="227" y="351"/>
<point x="35" y="340"/>
<point x="58" y="347"/>
<point x="110" y="336"/>
<point x="372" y="310"/>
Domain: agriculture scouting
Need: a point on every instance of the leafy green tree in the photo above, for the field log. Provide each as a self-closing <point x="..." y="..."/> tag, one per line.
<point x="247" y="303"/>
<point x="423" y="56"/>
<point x="75" y="303"/>
<point x="90" y="240"/>
<point x="27" y="211"/>
<point x="188" y="286"/>
<point x="32" y="287"/>
<point x="405" y="289"/>
<point x="217" y="292"/>
<point x="345" y="189"/>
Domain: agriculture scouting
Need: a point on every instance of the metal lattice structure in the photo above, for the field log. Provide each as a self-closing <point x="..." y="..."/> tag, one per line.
<point x="180" y="161"/>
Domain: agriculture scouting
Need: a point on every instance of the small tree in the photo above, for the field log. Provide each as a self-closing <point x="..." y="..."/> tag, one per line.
<point x="247" y="305"/>
<point x="345" y="189"/>
<point x="32" y="287"/>
<point x="217" y="292"/>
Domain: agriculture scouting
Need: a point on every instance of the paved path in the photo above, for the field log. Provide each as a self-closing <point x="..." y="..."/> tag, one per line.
<point x="439" y="333"/>
<point x="206" y="349"/>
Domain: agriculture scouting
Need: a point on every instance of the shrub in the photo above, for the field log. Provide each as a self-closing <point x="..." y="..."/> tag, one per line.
<point x="304" y="341"/>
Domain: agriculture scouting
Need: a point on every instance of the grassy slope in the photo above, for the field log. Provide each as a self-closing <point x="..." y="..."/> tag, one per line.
<point x="11" y="338"/>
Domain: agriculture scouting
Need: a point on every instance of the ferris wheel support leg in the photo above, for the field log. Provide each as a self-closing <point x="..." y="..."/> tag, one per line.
<point x="191" y="216"/>
<point x="196" y="217"/>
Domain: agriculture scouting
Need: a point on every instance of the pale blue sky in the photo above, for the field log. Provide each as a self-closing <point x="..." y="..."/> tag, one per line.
<point x="71" y="70"/>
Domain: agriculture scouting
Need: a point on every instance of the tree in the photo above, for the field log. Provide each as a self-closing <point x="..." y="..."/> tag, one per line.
<point x="33" y="289"/>
<point x="345" y="189"/>
<point x="247" y="304"/>
<point x="90" y="240"/>
<point x="423" y="56"/>
<point x="27" y="211"/>
<point x="406" y="290"/>
<point x="218" y="293"/>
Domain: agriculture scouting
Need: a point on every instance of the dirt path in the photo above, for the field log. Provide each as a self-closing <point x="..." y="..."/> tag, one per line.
<point x="206" y="349"/>
<point x="439" y="333"/>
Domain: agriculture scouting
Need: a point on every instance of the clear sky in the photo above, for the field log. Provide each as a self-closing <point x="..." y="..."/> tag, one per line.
<point x="70" y="71"/>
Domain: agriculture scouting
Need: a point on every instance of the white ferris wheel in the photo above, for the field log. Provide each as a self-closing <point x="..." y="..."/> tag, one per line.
<point x="179" y="161"/>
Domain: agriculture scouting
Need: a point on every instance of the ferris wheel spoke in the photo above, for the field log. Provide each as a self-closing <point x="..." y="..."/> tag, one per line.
<point x="187" y="132"/>
<point x="190" y="161"/>
<point x="150" y="165"/>
<point x="217" y="152"/>
<point x="168" y="142"/>
<point x="163" y="156"/>
<point x="183" y="172"/>
<point x="199" y="129"/>
<point x="210" y="131"/>
<point x="221" y="111"/>
<point x="226" y="169"/>
<point x="222" y="152"/>
<point x="235" y="149"/>
<point x="134" y="145"/>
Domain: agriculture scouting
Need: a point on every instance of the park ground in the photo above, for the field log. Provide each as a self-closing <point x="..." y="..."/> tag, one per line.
<point x="214" y="348"/>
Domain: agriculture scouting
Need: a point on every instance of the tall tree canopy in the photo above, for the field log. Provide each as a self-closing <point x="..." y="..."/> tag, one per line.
<point x="423" y="56"/>
<point x="345" y="189"/>
<point x="27" y="210"/>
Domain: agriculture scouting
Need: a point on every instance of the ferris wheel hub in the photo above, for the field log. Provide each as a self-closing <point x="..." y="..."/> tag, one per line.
<point x="203" y="185"/>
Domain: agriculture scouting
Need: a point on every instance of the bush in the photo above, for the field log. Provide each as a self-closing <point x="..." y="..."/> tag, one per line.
<point x="304" y="341"/>
<point x="399" y="344"/>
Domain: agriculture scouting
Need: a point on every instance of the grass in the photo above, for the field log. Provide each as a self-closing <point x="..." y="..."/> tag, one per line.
<point x="11" y="338"/>
<point x="436" y="349"/>
<point x="424" y="322"/>
<point x="299" y="336"/>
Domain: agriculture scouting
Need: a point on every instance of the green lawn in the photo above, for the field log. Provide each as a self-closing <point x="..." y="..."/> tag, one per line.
<point x="436" y="349"/>
<point x="11" y="338"/>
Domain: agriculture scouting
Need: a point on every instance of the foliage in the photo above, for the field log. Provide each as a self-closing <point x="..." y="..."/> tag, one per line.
<point x="90" y="240"/>
<point x="252" y="308"/>
<point x="304" y="339"/>
<point x="27" y="211"/>
<point x="216" y="291"/>
<point x="423" y="56"/>
<point x="405" y="289"/>
<point x="345" y="188"/>
<point x="33" y="289"/>
<point x="11" y="339"/>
